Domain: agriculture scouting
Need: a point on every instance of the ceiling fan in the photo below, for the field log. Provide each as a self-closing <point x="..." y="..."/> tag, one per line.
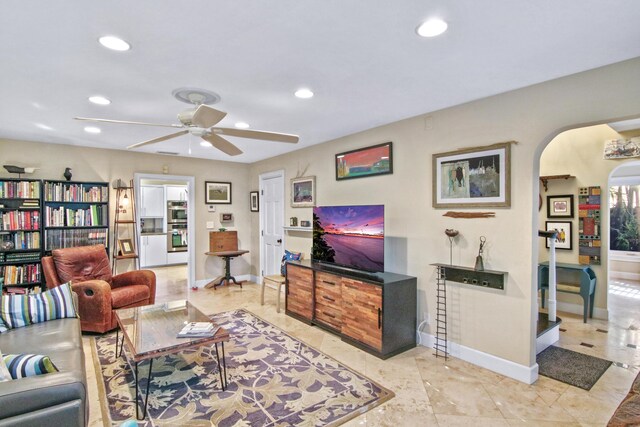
<point x="200" y="121"/>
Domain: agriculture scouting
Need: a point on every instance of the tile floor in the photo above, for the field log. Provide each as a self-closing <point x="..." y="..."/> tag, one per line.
<point x="430" y="392"/>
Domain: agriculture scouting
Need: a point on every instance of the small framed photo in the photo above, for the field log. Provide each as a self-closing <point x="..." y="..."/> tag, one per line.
<point x="217" y="193"/>
<point x="226" y="217"/>
<point x="303" y="192"/>
<point x="305" y="223"/>
<point x="560" y="206"/>
<point x="126" y="247"/>
<point x="293" y="221"/>
<point x="564" y="237"/>
<point x="254" y="201"/>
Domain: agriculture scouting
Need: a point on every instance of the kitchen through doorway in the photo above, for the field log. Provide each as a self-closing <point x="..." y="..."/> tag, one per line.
<point x="165" y="222"/>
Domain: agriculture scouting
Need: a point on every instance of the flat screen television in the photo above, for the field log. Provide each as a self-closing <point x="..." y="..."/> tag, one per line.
<point x="349" y="236"/>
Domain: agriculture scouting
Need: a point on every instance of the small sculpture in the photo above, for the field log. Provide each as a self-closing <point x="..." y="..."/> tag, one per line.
<point x="479" y="262"/>
<point x="451" y="234"/>
<point x="67" y="174"/>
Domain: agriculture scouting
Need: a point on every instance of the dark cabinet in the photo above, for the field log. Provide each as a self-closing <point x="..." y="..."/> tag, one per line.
<point x="374" y="313"/>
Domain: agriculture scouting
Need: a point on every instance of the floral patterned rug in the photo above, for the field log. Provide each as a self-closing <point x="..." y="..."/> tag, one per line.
<point x="273" y="380"/>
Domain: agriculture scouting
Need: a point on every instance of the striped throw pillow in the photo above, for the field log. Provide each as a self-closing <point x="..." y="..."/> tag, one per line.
<point x="28" y="365"/>
<point x="22" y="310"/>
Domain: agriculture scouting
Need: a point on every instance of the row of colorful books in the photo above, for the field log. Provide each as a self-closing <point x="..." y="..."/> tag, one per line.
<point x="94" y="215"/>
<point x="23" y="239"/>
<point x="20" y="220"/>
<point x="61" y="192"/>
<point x="19" y="290"/>
<point x="55" y="239"/>
<point x="20" y="274"/>
<point x="19" y="189"/>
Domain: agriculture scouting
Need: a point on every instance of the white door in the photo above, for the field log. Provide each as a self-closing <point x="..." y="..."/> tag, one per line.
<point x="272" y="221"/>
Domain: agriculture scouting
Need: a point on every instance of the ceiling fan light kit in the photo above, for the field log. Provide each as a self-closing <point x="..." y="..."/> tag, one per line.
<point x="199" y="121"/>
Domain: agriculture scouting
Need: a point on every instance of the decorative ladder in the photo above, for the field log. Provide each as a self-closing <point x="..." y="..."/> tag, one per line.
<point x="124" y="193"/>
<point x="440" y="345"/>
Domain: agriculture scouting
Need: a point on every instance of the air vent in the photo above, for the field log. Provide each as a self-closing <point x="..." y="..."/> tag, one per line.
<point x="168" y="153"/>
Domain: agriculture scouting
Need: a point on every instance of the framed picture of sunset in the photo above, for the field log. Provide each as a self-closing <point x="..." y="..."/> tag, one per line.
<point x="363" y="162"/>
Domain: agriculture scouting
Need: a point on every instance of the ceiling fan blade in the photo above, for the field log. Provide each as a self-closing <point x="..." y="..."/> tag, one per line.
<point x="222" y="144"/>
<point x="162" y="138"/>
<point x="89" y="119"/>
<point x="206" y="116"/>
<point x="257" y="134"/>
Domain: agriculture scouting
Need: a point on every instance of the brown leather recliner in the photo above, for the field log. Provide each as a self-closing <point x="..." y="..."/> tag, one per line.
<point x="99" y="292"/>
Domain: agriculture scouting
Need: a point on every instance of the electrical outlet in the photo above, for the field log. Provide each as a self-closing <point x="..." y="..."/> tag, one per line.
<point x="210" y="224"/>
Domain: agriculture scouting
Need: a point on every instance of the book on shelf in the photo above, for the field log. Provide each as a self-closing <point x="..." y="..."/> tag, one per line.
<point x="198" y="330"/>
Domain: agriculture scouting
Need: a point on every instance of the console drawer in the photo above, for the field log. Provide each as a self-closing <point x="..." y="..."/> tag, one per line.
<point x="329" y="314"/>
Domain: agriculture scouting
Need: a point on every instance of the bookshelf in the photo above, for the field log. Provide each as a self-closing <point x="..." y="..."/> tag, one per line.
<point x="20" y="235"/>
<point x="75" y="214"/>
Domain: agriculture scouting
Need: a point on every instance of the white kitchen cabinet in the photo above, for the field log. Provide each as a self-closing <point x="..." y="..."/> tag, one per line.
<point x="152" y="201"/>
<point x="176" y="192"/>
<point x="177" y="257"/>
<point x="153" y="250"/>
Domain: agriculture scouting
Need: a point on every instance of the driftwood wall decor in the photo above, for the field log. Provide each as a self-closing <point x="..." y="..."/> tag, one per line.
<point x="470" y="214"/>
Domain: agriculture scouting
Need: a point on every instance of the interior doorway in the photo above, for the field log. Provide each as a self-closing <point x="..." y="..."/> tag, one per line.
<point x="271" y="222"/>
<point x="165" y="221"/>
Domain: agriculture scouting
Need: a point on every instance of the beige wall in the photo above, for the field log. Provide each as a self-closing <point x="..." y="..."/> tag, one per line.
<point x="499" y="323"/>
<point x="92" y="164"/>
<point x="579" y="152"/>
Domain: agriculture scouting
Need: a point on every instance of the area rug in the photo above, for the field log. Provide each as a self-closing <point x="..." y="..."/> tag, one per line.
<point x="273" y="380"/>
<point x="571" y="367"/>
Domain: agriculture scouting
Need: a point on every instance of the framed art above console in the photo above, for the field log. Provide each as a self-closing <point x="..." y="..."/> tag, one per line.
<point x="473" y="177"/>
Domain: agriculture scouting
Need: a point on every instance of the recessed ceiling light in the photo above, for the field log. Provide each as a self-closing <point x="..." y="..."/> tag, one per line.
<point x="100" y="100"/>
<point x="92" y="129"/>
<point x="43" y="126"/>
<point x="242" y="125"/>
<point x="206" y="144"/>
<point x="304" y="93"/>
<point x="432" y="27"/>
<point x="114" y="43"/>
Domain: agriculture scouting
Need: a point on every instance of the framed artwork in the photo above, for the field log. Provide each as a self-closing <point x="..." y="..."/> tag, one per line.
<point x="363" y="162"/>
<point x="303" y="192"/>
<point x="226" y="217"/>
<point x="217" y="193"/>
<point x="560" y="206"/>
<point x="474" y="177"/>
<point x="254" y="201"/>
<point x="564" y="237"/>
<point x="126" y="247"/>
<point x="621" y="148"/>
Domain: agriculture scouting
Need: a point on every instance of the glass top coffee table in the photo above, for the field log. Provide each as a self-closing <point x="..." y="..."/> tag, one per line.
<point x="151" y="331"/>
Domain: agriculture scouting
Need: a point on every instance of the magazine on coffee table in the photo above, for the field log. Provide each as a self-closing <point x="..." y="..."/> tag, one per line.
<point x="198" y="330"/>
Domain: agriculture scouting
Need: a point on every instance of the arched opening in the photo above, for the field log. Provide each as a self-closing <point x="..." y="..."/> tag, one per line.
<point x="573" y="169"/>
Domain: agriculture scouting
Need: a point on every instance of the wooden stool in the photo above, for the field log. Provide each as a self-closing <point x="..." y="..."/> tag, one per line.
<point x="275" y="279"/>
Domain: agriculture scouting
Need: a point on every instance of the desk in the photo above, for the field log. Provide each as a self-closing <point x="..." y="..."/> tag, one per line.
<point x="586" y="288"/>
<point x="228" y="278"/>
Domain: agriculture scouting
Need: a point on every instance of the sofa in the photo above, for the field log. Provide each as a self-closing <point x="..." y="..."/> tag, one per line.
<point x="628" y="412"/>
<point x="56" y="399"/>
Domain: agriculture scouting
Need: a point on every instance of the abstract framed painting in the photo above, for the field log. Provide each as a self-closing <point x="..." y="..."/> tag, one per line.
<point x="254" y="201"/>
<point x="364" y="162"/>
<point x="474" y="177"/>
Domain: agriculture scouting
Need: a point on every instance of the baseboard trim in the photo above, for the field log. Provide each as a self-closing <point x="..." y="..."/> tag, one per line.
<point x="598" y="313"/>
<point x="525" y="374"/>
<point x="624" y="275"/>
<point x="547" y="339"/>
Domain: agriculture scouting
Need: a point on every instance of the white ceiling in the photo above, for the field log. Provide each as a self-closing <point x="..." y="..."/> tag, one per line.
<point x="362" y="58"/>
